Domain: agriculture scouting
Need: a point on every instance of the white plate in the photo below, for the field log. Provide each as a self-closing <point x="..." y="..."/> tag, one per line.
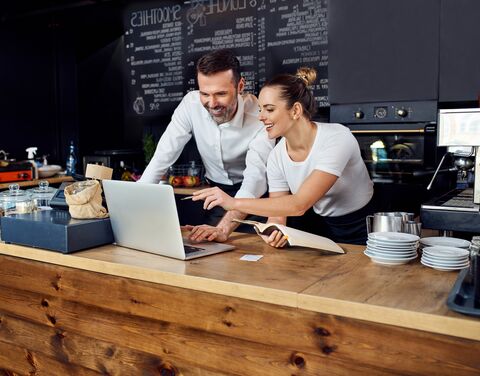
<point x="392" y="251"/>
<point x="389" y="256"/>
<point x="442" y="268"/>
<point x="400" y="237"/>
<point x="393" y="244"/>
<point x="445" y="241"/>
<point x="388" y="245"/>
<point x="383" y="261"/>
<point x="447" y="252"/>
<point x="443" y="262"/>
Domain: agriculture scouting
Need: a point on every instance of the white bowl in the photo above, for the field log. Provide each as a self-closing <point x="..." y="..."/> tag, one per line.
<point x="48" y="171"/>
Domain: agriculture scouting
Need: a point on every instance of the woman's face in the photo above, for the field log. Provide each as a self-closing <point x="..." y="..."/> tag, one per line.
<point x="274" y="113"/>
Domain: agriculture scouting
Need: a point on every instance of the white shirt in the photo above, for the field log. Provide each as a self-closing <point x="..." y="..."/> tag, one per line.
<point x="335" y="151"/>
<point x="231" y="152"/>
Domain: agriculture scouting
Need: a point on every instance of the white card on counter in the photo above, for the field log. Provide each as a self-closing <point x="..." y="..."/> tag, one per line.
<point x="251" y="257"/>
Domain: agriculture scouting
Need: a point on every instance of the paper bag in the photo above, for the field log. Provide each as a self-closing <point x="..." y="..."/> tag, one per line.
<point x="84" y="199"/>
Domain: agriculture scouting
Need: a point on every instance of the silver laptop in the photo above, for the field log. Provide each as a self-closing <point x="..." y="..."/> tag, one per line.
<point x="144" y="217"/>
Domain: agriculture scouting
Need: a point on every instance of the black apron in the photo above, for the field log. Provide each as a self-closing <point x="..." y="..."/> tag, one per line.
<point x="349" y="228"/>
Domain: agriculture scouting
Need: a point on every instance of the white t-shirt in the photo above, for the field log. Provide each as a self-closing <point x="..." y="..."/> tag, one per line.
<point x="335" y="151"/>
<point x="232" y="152"/>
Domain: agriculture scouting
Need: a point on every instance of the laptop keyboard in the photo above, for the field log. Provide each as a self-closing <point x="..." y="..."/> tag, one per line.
<point x="191" y="249"/>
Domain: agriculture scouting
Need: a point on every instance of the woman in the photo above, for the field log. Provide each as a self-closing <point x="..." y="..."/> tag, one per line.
<point x="315" y="165"/>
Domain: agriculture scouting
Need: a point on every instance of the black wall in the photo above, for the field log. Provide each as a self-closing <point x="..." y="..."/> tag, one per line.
<point x="459" y="53"/>
<point x="61" y="79"/>
<point x="27" y="89"/>
<point x="390" y="50"/>
<point x="383" y="50"/>
<point x="61" y="67"/>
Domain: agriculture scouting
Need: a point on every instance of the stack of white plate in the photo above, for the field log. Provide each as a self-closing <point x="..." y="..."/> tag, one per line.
<point x="444" y="241"/>
<point x="391" y="248"/>
<point x="445" y="258"/>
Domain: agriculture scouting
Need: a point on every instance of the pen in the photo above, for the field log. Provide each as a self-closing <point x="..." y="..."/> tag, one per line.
<point x="186" y="198"/>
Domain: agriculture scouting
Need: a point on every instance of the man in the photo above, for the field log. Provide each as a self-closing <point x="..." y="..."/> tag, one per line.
<point x="232" y="142"/>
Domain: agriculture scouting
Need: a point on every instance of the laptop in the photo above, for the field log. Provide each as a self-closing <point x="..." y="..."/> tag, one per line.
<point x="144" y="217"/>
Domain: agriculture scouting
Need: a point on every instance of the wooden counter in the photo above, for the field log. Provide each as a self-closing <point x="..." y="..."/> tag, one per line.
<point x="295" y="312"/>
<point x="184" y="191"/>
<point x="33" y="183"/>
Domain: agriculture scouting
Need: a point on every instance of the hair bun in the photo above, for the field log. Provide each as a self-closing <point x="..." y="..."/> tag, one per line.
<point x="307" y="75"/>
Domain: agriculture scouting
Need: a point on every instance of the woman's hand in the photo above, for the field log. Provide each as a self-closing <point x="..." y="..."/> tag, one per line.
<point x="214" y="197"/>
<point x="275" y="239"/>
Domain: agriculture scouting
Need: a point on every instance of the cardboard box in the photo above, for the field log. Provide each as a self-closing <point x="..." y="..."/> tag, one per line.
<point x="56" y="230"/>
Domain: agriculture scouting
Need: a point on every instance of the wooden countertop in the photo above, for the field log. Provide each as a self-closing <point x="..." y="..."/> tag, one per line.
<point x="33" y="183"/>
<point x="188" y="191"/>
<point x="60" y="179"/>
<point x="350" y="285"/>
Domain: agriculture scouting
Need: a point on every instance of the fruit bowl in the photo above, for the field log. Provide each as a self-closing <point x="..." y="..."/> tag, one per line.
<point x="184" y="181"/>
<point x="182" y="175"/>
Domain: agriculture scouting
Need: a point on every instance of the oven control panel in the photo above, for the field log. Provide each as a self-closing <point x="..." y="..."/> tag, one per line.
<point x="392" y="112"/>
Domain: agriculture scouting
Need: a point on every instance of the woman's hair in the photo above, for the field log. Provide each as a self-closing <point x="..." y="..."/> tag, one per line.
<point x="296" y="88"/>
<point x="219" y="61"/>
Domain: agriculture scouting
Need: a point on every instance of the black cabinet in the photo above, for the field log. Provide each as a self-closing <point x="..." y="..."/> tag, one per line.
<point x="459" y="51"/>
<point x="383" y="50"/>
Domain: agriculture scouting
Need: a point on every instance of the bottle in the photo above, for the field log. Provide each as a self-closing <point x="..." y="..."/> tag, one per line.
<point x="32" y="151"/>
<point x="71" y="160"/>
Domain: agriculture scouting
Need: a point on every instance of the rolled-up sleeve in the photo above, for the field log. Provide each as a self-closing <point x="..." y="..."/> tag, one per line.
<point x="171" y="144"/>
<point x="254" y="183"/>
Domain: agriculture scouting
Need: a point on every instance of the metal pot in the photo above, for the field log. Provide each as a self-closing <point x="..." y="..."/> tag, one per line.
<point x="388" y="221"/>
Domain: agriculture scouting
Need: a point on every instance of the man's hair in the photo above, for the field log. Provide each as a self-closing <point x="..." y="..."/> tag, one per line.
<point x="219" y="61"/>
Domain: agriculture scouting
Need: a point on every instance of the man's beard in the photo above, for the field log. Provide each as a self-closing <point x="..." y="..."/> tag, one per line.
<point x="226" y="113"/>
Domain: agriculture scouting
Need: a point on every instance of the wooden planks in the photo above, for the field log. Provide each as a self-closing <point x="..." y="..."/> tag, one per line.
<point x="350" y="285"/>
<point x="106" y="324"/>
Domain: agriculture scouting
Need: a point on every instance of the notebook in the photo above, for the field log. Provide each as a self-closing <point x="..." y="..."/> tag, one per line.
<point x="144" y="217"/>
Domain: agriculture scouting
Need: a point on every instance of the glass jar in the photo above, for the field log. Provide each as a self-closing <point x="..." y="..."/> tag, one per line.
<point x="42" y="195"/>
<point x="16" y="201"/>
<point x="193" y="169"/>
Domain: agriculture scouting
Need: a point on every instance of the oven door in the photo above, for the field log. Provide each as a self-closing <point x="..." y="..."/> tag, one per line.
<point x="397" y="156"/>
<point x="401" y="163"/>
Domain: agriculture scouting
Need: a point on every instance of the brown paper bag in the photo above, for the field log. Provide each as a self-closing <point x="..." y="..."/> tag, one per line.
<point x="84" y="199"/>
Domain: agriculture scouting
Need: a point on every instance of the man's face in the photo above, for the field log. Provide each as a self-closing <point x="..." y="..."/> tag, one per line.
<point x="218" y="94"/>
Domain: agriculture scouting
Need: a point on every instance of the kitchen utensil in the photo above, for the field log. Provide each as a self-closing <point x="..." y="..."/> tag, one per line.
<point x="412" y="227"/>
<point x="385" y="222"/>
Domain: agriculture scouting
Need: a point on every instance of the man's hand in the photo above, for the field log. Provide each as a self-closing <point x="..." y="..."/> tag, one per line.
<point x="214" y="197"/>
<point x="206" y="233"/>
<point x="275" y="239"/>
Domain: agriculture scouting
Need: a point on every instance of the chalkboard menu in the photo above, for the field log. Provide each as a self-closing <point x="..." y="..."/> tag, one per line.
<point x="163" y="40"/>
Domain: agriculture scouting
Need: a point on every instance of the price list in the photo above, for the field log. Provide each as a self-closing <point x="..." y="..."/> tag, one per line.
<point x="292" y="34"/>
<point x="218" y="24"/>
<point x="163" y="43"/>
<point x="154" y="56"/>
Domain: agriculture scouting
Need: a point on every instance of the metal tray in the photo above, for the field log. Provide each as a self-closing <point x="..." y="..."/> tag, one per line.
<point x="462" y="297"/>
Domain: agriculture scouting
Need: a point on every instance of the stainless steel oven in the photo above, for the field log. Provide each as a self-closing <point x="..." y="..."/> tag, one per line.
<point x="398" y="145"/>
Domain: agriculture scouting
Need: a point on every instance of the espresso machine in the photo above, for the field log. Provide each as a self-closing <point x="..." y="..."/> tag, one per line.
<point x="459" y="209"/>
